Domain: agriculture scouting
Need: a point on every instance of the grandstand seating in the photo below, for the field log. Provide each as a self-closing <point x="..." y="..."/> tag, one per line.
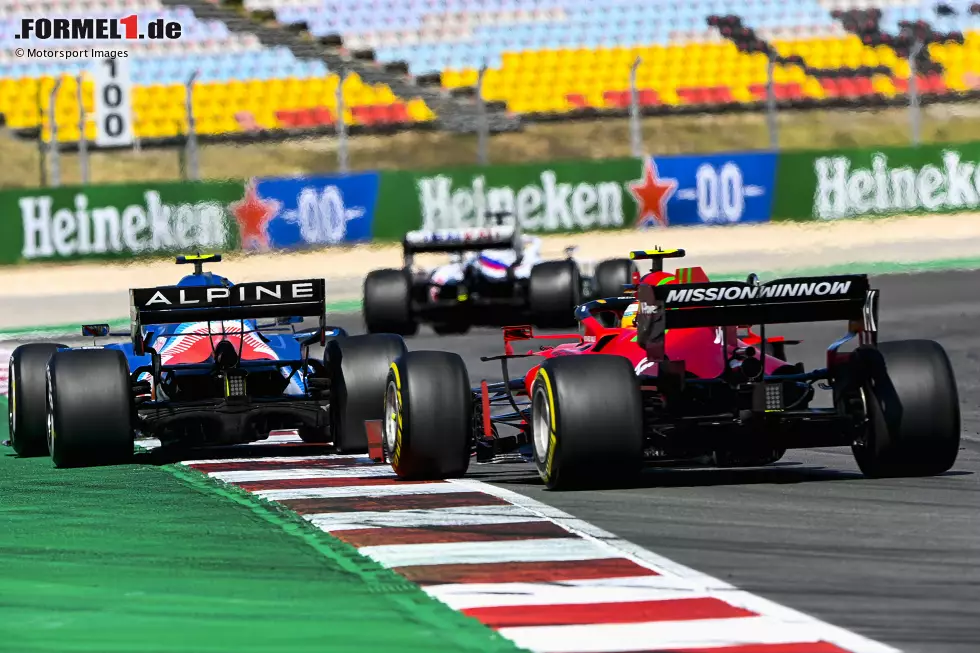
<point x="241" y="84"/>
<point x="543" y="57"/>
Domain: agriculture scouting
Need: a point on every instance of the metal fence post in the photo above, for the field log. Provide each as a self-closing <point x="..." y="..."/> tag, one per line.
<point x="636" y="135"/>
<point x="771" y="117"/>
<point x="483" y="128"/>
<point x="82" y="140"/>
<point x="342" y="161"/>
<point x="193" y="173"/>
<point x="915" y="113"/>
<point x="54" y="147"/>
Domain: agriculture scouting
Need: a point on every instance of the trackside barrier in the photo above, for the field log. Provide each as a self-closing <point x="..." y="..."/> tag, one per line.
<point x="154" y="219"/>
<point x="831" y="185"/>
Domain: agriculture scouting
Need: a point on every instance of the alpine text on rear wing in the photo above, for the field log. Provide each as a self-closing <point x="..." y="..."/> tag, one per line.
<point x="269" y="299"/>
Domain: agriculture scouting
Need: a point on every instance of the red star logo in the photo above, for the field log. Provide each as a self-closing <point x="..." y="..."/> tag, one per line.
<point x="651" y="194"/>
<point x="253" y="215"/>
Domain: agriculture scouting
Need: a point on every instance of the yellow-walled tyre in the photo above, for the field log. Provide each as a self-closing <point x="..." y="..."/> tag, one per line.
<point x="428" y="418"/>
<point x="586" y="421"/>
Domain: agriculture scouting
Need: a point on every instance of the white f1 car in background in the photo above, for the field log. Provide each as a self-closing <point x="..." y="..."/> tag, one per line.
<point x="495" y="276"/>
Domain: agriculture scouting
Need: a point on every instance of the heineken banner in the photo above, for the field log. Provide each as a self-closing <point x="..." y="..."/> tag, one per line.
<point x="581" y="195"/>
<point x="883" y="181"/>
<point x="117" y="221"/>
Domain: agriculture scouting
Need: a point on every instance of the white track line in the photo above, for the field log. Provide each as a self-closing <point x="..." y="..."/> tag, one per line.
<point x="299" y="460"/>
<point x="604" y="590"/>
<point x="463" y="516"/>
<point x="461" y="553"/>
<point x="300" y="472"/>
<point x="362" y="491"/>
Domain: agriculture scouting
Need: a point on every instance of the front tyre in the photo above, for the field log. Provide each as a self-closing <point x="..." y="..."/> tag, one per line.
<point x="27" y="398"/>
<point x="428" y="416"/>
<point x="89" y="408"/>
<point x="912" y="409"/>
<point x="358" y="368"/>
<point x="586" y="421"/>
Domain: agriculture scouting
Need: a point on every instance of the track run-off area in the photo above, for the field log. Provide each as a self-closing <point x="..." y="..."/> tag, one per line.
<point x="803" y="556"/>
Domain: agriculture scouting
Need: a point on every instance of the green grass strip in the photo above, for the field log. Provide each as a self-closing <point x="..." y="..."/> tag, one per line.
<point x="164" y="560"/>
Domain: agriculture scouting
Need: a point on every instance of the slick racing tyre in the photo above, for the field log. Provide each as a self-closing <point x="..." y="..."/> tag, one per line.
<point x="90" y="408"/>
<point x="358" y="368"/>
<point x="388" y="303"/>
<point x="611" y="276"/>
<point x="26" y="396"/>
<point x="428" y="424"/>
<point x="554" y="290"/>
<point x="912" y="409"/>
<point x="586" y="421"/>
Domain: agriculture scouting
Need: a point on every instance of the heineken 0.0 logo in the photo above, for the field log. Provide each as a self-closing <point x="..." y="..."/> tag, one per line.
<point x="844" y="190"/>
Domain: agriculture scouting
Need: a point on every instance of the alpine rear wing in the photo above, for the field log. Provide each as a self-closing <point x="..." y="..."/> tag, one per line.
<point x="738" y="303"/>
<point x="270" y="299"/>
<point x="461" y="240"/>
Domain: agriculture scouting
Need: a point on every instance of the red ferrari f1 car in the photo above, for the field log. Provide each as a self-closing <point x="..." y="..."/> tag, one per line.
<point x="688" y="382"/>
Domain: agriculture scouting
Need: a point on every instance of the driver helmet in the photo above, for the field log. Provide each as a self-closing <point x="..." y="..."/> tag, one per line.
<point x="629" y="316"/>
<point x="653" y="279"/>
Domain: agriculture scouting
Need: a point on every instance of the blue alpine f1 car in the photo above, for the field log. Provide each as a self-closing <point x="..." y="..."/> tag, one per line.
<point x="207" y="363"/>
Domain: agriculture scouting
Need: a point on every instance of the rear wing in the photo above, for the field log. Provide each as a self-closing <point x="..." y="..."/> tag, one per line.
<point x="461" y="240"/>
<point x="271" y="299"/>
<point x="738" y="303"/>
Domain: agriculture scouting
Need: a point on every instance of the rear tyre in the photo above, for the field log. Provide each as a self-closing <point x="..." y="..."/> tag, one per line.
<point x="89" y="408"/>
<point x="912" y="409"/>
<point x="612" y="275"/>
<point x="554" y="290"/>
<point x="388" y="302"/>
<point x="586" y="421"/>
<point x="27" y="394"/>
<point x="428" y="416"/>
<point x="358" y="371"/>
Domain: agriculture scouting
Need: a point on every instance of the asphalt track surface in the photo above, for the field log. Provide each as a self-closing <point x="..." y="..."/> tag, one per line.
<point x="896" y="560"/>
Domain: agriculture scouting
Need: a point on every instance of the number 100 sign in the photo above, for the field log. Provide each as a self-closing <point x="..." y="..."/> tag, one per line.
<point x="113" y="103"/>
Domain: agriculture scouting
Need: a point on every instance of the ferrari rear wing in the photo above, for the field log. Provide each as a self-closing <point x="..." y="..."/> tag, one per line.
<point x="738" y="303"/>
<point x="271" y="299"/>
